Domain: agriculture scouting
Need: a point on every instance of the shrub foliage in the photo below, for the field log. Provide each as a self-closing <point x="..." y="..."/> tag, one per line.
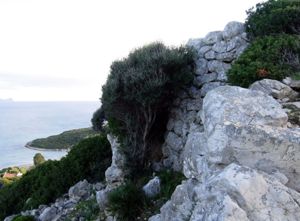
<point x="87" y="160"/>
<point x="138" y="93"/>
<point x="273" y="17"/>
<point x="273" y="57"/>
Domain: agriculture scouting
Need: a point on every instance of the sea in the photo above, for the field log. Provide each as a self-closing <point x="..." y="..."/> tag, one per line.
<point x="21" y="122"/>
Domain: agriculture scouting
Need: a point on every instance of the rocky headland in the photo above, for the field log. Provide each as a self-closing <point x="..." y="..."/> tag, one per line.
<point x="238" y="148"/>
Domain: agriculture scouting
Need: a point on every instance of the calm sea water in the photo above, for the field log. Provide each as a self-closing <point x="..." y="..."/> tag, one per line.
<point x="21" y="122"/>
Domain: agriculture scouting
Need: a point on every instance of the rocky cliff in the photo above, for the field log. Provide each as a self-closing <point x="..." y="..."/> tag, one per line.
<point x="238" y="148"/>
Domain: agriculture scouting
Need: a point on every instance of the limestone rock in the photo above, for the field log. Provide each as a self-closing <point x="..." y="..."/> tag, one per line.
<point x="233" y="29"/>
<point x="152" y="188"/>
<point x="242" y="106"/>
<point x="10" y="218"/>
<point x="275" y="89"/>
<point x="201" y="66"/>
<point x="241" y="193"/>
<point x="116" y="172"/>
<point x="181" y="204"/>
<point x="205" y="78"/>
<point x="213" y="37"/>
<point x="48" y="214"/>
<point x="249" y="127"/>
<point x="81" y="190"/>
<point x="208" y="87"/>
<point x="155" y="218"/>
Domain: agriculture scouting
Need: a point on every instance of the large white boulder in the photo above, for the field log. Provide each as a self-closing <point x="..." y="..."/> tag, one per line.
<point x="249" y="127"/>
<point x="275" y="89"/>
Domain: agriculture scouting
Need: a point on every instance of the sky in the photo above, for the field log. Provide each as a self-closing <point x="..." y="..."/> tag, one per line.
<point x="61" y="50"/>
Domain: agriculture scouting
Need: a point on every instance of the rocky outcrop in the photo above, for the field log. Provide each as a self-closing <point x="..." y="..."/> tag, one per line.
<point x="276" y="89"/>
<point x="64" y="207"/>
<point x="244" y="165"/>
<point x="216" y="51"/>
<point x="114" y="175"/>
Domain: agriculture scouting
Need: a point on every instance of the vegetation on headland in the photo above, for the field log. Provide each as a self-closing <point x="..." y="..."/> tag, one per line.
<point x="43" y="184"/>
<point x="65" y="140"/>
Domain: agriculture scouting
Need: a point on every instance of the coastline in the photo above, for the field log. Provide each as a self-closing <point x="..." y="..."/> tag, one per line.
<point x="28" y="146"/>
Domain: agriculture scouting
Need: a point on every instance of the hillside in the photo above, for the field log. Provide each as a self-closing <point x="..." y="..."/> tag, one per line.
<point x="64" y="140"/>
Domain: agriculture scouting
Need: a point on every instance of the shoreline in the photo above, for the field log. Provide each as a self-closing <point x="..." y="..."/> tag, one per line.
<point x="28" y="146"/>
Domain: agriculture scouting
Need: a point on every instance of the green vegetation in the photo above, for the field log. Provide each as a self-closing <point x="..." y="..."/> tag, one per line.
<point x="38" y="159"/>
<point x="43" y="184"/>
<point x="97" y="118"/>
<point x="137" y="96"/>
<point x="65" y="140"/>
<point x="273" y="17"/>
<point x="13" y="171"/>
<point x="128" y="202"/>
<point x="273" y="57"/>
<point x="23" y="218"/>
<point x="88" y="209"/>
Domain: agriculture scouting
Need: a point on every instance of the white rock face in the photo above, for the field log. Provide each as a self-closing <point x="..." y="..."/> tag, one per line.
<point x="275" y="89"/>
<point x="242" y="165"/>
<point x="116" y="172"/>
<point x="152" y="188"/>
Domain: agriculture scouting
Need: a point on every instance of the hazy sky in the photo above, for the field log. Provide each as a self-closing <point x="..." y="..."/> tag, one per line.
<point x="62" y="49"/>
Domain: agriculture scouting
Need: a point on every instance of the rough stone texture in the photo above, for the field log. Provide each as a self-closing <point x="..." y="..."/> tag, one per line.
<point x="115" y="173"/>
<point x="275" y="89"/>
<point x="79" y="191"/>
<point x="243" y="164"/>
<point x="48" y="214"/>
<point x="233" y="29"/>
<point x="216" y="51"/>
<point x="152" y="188"/>
<point x="295" y="84"/>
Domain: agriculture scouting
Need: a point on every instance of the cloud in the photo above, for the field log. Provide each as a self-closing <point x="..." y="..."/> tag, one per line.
<point x="12" y="81"/>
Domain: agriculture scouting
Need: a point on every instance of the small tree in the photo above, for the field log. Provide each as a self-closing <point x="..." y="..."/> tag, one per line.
<point x="38" y="159"/>
<point x="138" y="93"/>
<point x="273" y="57"/>
<point x="273" y="17"/>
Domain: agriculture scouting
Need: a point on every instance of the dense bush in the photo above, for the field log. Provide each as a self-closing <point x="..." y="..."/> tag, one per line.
<point x="137" y="96"/>
<point x="23" y="218"/>
<point x="38" y="159"/>
<point x="87" y="160"/>
<point x="127" y="202"/>
<point x="274" y="17"/>
<point x="272" y="57"/>
<point x="97" y="119"/>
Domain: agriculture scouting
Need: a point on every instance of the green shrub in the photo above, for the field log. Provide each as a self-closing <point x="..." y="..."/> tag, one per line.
<point x="23" y="218"/>
<point x="127" y="202"/>
<point x="38" y="159"/>
<point x="169" y="181"/>
<point x="273" y="57"/>
<point x="97" y="119"/>
<point x="138" y="93"/>
<point x="274" y="17"/>
<point x="87" y="160"/>
<point x="88" y="209"/>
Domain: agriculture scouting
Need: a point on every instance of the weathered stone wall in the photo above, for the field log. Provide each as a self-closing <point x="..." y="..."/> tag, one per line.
<point x="216" y="51"/>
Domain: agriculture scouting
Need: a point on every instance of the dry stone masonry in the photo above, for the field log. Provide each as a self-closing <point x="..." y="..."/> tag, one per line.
<point x="216" y="51"/>
<point x="238" y="148"/>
